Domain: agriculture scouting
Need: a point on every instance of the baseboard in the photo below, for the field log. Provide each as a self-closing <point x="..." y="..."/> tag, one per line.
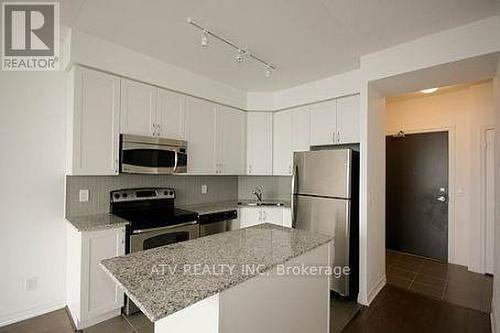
<point x="376" y="289"/>
<point x="18" y="316"/>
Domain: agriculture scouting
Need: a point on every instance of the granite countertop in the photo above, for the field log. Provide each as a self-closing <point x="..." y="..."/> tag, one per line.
<point x="164" y="280"/>
<point x="221" y="206"/>
<point x="96" y="222"/>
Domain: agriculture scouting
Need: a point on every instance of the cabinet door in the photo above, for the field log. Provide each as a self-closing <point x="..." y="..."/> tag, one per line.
<point x="250" y="216"/>
<point x="200" y="128"/>
<point x="348" y="109"/>
<point x="259" y="143"/>
<point x="170" y="114"/>
<point x="138" y="108"/>
<point x="102" y="293"/>
<point x="272" y="215"/>
<point x="324" y="123"/>
<point x="301" y="129"/>
<point x="283" y="143"/>
<point x="95" y="127"/>
<point x="231" y="147"/>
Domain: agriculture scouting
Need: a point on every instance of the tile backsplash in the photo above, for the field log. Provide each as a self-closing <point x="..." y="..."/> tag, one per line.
<point x="275" y="187"/>
<point x="188" y="189"/>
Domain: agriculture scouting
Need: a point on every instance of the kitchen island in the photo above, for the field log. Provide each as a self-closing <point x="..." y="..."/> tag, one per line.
<point x="264" y="278"/>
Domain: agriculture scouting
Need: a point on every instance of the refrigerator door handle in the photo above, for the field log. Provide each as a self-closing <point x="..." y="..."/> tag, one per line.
<point x="292" y="202"/>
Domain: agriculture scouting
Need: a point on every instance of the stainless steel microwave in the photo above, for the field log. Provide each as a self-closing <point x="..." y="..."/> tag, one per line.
<point x="152" y="155"/>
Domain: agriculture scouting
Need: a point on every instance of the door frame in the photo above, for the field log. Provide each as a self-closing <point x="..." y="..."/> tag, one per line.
<point x="451" y="178"/>
<point x="482" y="189"/>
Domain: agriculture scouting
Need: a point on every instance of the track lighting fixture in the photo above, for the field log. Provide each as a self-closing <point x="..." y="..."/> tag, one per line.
<point x="242" y="53"/>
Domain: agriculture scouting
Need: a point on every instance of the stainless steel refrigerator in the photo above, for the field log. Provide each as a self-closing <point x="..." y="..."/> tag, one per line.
<point x="325" y="200"/>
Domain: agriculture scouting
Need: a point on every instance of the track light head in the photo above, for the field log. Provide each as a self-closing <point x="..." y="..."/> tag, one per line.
<point x="239" y="56"/>
<point x="204" y="39"/>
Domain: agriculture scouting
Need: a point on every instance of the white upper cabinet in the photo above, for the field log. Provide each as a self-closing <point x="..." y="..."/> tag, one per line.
<point x="138" y="108"/>
<point x="231" y="141"/>
<point x="93" y="123"/>
<point x="171" y="115"/>
<point x="335" y="122"/>
<point x="291" y="132"/>
<point x="348" y="109"/>
<point x="283" y="142"/>
<point x="324" y="123"/>
<point x="259" y="143"/>
<point x="201" y="136"/>
<point x="301" y="129"/>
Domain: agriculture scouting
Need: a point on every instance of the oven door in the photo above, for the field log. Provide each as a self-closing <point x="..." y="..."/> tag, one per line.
<point x="152" y="159"/>
<point x="151" y="238"/>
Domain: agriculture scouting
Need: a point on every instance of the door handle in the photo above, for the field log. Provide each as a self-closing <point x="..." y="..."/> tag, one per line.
<point x="441" y="198"/>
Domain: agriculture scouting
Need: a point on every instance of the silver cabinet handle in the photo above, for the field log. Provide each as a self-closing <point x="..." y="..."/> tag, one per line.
<point x="338" y="136"/>
<point x="154" y="129"/>
<point x="334" y="136"/>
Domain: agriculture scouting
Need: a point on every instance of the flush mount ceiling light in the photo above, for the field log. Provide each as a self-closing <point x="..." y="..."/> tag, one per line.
<point x="429" y="90"/>
<point x="242" y="53"/>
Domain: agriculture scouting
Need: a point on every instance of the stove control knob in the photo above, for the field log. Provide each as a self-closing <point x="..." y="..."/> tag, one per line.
<point x="125" y="195"/>
<point x="165" y="193"/>
<point x="117" y="195"/>
<point x="171" y="192"/>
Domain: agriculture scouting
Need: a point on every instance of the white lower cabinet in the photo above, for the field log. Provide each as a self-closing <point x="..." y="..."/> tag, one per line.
<point x="250" y="216"/>
<point x="92" y="297"/>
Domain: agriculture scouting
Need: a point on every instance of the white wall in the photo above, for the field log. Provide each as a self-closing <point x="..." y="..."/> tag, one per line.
<point x="32" y="137"/>
<point x="372" y="195"/>
<point x="466" y="41"/>
<point x="496" y="282"/>
<point x="344" y="84"/>
<point x="467" y="112"/>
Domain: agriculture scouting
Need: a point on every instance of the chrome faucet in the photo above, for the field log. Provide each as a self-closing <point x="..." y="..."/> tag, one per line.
<point x="258" y="193"/>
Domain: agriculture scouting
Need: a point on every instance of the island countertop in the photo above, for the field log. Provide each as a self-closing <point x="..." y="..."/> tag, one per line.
<point x="164" y="280"/>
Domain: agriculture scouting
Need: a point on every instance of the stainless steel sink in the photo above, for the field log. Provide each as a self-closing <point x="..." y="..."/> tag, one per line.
<point x="261" y="203"/>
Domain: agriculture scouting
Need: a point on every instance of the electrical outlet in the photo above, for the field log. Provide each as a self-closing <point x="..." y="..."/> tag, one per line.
<point x="204" y="189"/>
<point x="83" y="195"/>
<point x="31" y="284"/>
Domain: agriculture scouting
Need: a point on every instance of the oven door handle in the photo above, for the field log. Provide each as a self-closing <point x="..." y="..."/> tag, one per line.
<point x="142" y="231"/>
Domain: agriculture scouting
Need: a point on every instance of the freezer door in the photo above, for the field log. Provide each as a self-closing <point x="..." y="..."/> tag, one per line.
<point x="329" y="217"/>
<point x="323" y="173"/>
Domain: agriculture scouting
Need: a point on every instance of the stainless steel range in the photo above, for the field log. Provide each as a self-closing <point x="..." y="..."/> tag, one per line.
<point x="154" y="221"/>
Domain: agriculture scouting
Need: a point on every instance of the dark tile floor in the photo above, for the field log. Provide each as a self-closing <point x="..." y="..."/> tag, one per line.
<point x="442" y="281"/>
<point x="341" y="313"/>
<point x="402" y="311"/>
<point x="59" y="322"/>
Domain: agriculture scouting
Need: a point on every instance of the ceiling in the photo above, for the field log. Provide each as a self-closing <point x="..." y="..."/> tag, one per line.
<point x="306" y="39"/>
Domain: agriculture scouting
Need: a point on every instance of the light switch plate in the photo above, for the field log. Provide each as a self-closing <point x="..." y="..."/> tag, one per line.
<point x="83" y="196"/>
<point x="204" y="189"/>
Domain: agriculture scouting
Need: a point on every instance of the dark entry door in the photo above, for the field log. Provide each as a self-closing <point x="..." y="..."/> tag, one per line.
<point x="417" y="194"/>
